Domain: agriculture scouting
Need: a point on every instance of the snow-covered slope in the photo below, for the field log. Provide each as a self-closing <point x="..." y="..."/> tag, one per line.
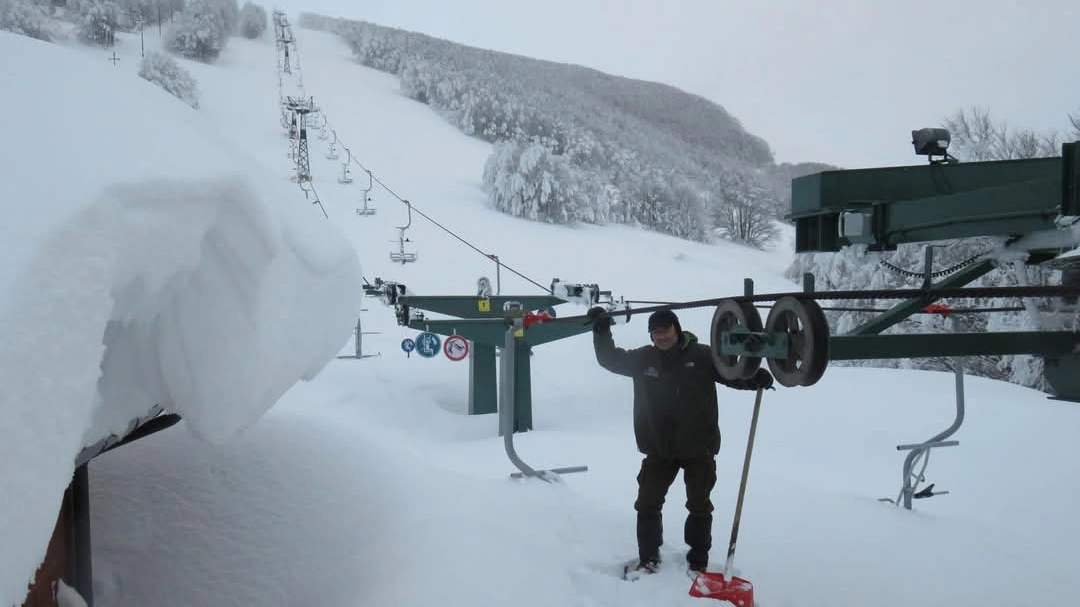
<point x="147" y="261"/>
<point x="370" y="486"/>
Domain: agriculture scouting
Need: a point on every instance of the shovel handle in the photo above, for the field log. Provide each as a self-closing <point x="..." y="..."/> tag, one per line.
<point x="742" y="484"/>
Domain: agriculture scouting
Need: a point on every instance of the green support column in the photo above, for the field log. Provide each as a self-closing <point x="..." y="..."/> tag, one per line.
<point x="522" y="387"/>
<point x="484" y="333"/>
<point x="483" y="383"/>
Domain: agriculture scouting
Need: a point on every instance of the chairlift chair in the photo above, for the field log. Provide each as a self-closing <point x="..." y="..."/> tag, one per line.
<point x="332" y="153"/>
<point x="401" y="256"/>
<point x="366" y="210"/>
<point x="345" y="178"/>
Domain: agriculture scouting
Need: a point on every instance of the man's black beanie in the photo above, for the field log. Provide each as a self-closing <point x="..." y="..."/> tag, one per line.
<point x="664" y="318"/>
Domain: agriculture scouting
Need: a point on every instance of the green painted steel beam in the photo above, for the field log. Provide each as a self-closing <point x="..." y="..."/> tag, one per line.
<point x="493" y="331"/>
<point x="903" y="310"/>
<point x="926" y="203"/>
<point x="1008" y="210"/>
<point x="467" y="306"/>
<point x="543" y="333"/>
<point x="841" y="190"/>
<point x="862" y="347"/>
<point x="481" y="330"/>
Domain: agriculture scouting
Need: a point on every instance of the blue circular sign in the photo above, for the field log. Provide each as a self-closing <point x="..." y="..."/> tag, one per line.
<point x="407" y="345"/>
<point x="427" y="345"/>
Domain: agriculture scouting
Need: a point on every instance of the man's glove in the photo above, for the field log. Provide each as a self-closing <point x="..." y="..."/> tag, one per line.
<point x="601" y="320"/>
<point x="762" y="379"/>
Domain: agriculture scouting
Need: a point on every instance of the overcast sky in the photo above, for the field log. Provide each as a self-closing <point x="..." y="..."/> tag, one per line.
<point x="840" y="81"/>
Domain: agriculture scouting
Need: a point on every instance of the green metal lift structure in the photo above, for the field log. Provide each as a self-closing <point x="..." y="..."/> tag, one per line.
<point x="511" y="323"/>
<point x="1031" y="205"/>
<point x="483" y="319"/>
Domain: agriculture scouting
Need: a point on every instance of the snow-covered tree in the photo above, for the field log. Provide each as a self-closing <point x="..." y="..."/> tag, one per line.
<point x="198" y="32"/>
<point x="253" y="20"/>
<point x="164" y="71"/>
<point x="746" y="212"/>
<point x="230" y="14"/>
<point x="27" y="18"/>
<point x="526" y="180"/>
<point x="97" y="21"/>
<point x="976" y="136"/>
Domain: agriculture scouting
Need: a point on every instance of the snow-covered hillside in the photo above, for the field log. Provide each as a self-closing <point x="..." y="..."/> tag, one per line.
<point x="369" y="485"/>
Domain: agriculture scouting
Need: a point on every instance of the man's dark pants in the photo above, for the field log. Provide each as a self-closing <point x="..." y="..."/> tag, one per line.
<point x="654" y="480"/>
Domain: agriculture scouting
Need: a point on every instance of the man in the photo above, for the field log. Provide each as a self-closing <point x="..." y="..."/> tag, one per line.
<point x="675" y="425"/>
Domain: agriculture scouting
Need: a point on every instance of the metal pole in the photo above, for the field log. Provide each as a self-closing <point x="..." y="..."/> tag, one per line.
<point x="507" y="407"/>
<point x="928" y="267"/>
<point x="506" y="399"/>
<point x="939" y="440"/>
<point x="924" y="449"/>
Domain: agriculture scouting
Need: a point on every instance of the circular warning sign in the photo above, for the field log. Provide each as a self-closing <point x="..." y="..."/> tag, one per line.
<point x="456" y="347"/>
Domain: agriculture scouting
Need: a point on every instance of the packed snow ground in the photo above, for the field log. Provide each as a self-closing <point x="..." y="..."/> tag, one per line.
<point x="370" y="486"/>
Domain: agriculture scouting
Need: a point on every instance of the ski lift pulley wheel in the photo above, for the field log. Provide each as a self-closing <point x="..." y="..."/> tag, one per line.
<point x="807" y="330"/>
<point x="731" y="314"/>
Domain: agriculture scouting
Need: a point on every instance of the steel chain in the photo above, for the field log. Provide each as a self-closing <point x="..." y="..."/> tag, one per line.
<point x="938" y="274"/>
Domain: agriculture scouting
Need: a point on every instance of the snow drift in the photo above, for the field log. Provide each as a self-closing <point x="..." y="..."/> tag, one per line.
<point x="155" y="265"/>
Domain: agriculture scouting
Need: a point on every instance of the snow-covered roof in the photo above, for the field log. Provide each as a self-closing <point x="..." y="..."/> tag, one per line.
<point x="149" y="263"/>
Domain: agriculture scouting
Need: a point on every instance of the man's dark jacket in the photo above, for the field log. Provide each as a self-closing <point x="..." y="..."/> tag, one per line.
<point x="675" y="414"/>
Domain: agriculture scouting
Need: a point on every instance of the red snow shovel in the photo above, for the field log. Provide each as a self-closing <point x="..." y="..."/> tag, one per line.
<point x="720" y="585"/>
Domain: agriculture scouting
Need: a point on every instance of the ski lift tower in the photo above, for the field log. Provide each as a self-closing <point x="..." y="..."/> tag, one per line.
<point x="301" y="108"/>
<point x="284" y="39"/>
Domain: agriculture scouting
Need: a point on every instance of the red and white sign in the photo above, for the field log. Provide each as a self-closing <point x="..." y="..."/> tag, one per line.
<point x="456" y="347"/>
